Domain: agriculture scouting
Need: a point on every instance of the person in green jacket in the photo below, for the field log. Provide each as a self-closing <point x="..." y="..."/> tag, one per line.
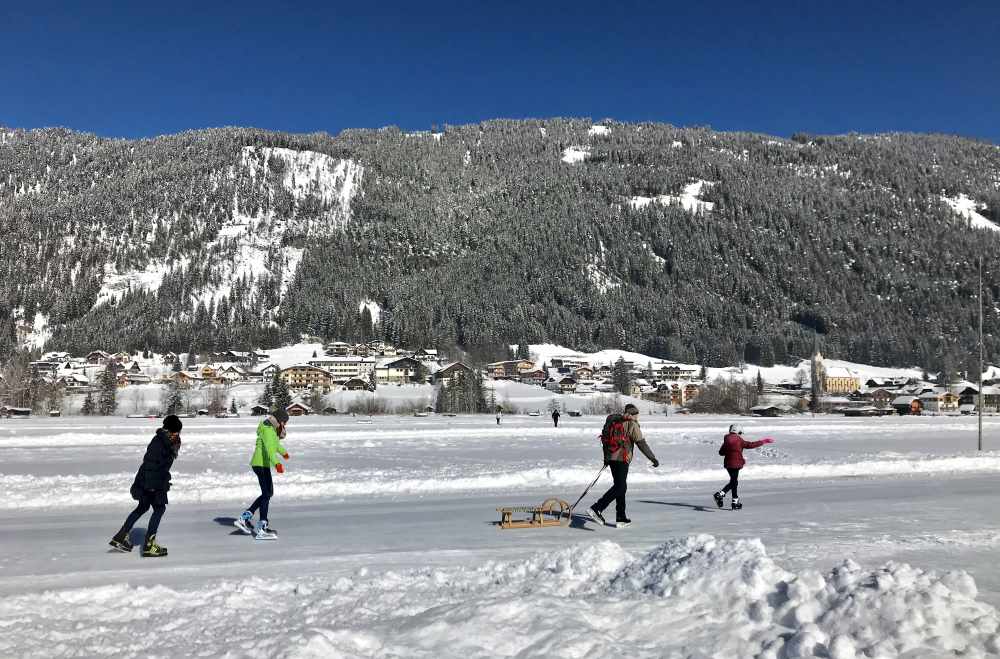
<point x="270" y="432"/>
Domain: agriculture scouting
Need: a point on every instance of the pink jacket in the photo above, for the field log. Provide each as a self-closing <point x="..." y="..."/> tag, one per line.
<point x="732" y="448"/>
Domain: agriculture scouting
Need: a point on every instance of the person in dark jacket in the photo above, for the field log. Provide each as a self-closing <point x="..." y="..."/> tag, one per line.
<point x="150" y="487"/>
<point x="732" y="450"/>
<point x="619" y="438"/>
<point x="555" y="418"/>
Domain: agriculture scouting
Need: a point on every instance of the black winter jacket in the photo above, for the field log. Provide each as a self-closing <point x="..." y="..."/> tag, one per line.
<point x="154" y="472"/>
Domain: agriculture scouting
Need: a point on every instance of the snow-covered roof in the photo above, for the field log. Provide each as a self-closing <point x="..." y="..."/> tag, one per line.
<point x="840" y="372"/>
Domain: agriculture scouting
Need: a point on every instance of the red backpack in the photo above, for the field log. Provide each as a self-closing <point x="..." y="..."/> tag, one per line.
<point x="617" y="447"/>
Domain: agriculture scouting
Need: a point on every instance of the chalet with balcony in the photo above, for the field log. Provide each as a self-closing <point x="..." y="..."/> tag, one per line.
<point x="298" y="409"/>
<point x="302" y="377"/>
<point x="396" y="370"/>
<point x="98" y="357"/>
<point x="445" y="374"/>
<point x="356" y="384"/>
<point x="939" y="402"/>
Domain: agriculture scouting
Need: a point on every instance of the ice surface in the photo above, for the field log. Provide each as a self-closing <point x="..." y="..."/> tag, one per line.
<point x="860" y="538"/>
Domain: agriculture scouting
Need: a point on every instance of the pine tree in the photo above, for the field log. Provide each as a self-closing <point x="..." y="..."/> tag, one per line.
<point x="232" y="406"/>
<point x="621" y="377"/>
<point x="279" y="389"/>
<point x="760" y="383"/>
<point x="267" y="397"/>
<point x="175" y="401"/>
<point x="107" y="392"/>
<point x="89" y="407"/>
<point x="372" y="380"/>
<point x="420" y="373"/>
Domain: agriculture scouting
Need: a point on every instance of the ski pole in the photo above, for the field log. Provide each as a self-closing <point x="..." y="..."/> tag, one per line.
<point x="592" y="483"/>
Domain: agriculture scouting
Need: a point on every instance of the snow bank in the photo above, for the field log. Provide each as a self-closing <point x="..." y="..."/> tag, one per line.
<point x="688" y="597"/>
<point x="26" y="491"/>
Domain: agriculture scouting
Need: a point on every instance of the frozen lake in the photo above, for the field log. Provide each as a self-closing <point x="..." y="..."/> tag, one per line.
<point x="387" y="546"/>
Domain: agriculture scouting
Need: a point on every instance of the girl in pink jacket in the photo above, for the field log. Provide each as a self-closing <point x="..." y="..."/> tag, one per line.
<point x="732" y="450"/>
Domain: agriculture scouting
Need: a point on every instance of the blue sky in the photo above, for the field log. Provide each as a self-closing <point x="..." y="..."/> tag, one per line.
<point x="141" y="69"/>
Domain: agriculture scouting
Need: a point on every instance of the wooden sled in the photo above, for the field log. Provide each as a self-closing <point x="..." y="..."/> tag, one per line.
<point x="552" y="512"/>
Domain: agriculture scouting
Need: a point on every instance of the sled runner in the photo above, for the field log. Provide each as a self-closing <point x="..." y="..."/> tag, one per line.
<point x="552" y="512"/>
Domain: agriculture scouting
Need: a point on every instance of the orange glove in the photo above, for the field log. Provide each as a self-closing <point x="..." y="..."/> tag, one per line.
<point x="285" y="456"/>
<point x="280" y="468"/>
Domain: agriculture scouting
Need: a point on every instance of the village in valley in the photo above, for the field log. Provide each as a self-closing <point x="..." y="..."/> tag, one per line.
<point x="233" y="383"/>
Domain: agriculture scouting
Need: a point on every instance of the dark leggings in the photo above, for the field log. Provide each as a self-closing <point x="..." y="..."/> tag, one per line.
<point x="734" y="481"/>
<point x="619" y="472"/>
<point x="147" y="500"/>
<point x="266" y="491"/>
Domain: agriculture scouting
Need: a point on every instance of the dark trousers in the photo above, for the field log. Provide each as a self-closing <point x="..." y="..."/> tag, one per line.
<point x="555" y="421"/>
<point x="734" y="481"/>
<point x="149" y="498"/>
<point x="619" y="472"/>
<point x="266" y="491"/>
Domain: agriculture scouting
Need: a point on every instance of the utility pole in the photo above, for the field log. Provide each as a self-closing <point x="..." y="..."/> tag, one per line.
<point x="980" y="406"/>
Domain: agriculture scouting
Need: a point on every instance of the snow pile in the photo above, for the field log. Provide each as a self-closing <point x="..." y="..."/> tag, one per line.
<point x="969" y="209"/>
<point x="575" y="154"/>
<point x="689" y="199"/>
<point x="689" y="597"/>
<point x="597" y="129"/>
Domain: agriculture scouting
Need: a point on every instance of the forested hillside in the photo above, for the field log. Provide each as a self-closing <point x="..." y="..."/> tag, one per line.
<point x="687" y="244"/>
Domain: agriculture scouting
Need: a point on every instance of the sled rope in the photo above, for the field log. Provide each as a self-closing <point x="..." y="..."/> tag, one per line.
<point x="592" y="483"/>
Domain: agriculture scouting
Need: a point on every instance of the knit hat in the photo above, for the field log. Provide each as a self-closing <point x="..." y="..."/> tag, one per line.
<point x="631" y="409"/>
<point x="172" y="424"/>
<point x="736" y="428"/>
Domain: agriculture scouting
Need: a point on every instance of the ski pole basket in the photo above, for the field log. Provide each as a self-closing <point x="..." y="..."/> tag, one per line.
<point x="552" y="512"/>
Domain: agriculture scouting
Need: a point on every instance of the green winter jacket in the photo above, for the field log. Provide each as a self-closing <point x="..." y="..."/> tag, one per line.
<point x="269" y="448"/>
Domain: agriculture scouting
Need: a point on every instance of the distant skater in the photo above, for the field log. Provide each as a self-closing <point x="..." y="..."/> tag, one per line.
<point x="499" y="414"/>
<point x="150" y="488"/>
<point x="620" y="435"/>
<point x="732" y="448"/>
<point x="268" y="449"/>
<point x="555" y="418"/>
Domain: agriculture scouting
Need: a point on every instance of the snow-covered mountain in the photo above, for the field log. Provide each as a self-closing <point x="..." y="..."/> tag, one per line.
<point x="684" y="244"/>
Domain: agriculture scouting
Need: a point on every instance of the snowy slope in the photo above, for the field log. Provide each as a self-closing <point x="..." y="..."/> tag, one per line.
<point x="251" y="246"/>
<point x="545" y="352"/>
<point x="969" y="209"/>
<point x="688" y="199"/>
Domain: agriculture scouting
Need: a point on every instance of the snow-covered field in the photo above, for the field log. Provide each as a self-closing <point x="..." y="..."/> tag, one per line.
<point x="859" y="538"/>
